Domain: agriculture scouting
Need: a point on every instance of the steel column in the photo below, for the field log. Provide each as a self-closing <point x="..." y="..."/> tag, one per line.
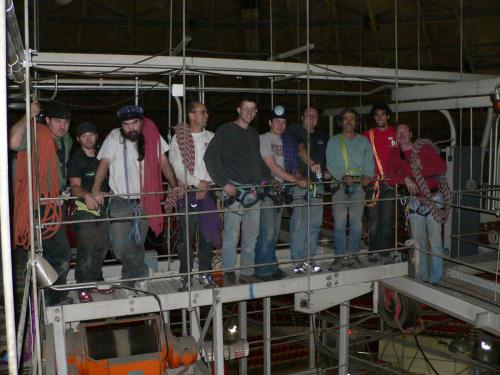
<point x="242" y="311"/>
<point x="60" y="343"/>
<point x="267" y="335"/>
<point x="8" y="285"/>
<point x="218" y="338"/>
<point x="312" y="342"/>
<point x="344" y="339"/>
<point x="194" y="322"/>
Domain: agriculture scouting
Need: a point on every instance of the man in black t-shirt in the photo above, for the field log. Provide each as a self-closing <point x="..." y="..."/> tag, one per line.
<point x="311" y="163"/>
<point x="92" y="237"/>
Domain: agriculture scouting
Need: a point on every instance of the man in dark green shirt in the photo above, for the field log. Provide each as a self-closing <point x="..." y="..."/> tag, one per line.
<point x="56" y="249"/>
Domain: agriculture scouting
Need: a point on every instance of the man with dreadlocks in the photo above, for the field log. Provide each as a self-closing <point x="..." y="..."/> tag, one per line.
<point x="420" y="168"/>
<point x="135" y="156"/>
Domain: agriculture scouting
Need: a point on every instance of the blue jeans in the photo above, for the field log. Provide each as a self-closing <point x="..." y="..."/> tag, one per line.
<point x="299" y="223"/>
<point x="92" y="246"/>
<point x="270" y="226"/>
<point x="128" y="236"/>
<point x="249" y="222"/>
<point x="381" y="219"/>
<point x="351" y="213"/>
<point x="425" y="228"/>
<point x="205" y="249"/>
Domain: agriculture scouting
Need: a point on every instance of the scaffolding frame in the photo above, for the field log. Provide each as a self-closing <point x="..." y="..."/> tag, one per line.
<point x="136" y="66"/>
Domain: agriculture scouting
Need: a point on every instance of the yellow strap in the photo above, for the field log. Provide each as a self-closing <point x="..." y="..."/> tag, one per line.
<point x="371" y="132"/>
<point x="80" y="206"/>
<point x="343" y="149"/>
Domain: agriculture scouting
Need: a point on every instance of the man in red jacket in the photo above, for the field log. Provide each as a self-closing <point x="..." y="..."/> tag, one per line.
<point x="420" y="168"/>
<point x="381" y="193"/>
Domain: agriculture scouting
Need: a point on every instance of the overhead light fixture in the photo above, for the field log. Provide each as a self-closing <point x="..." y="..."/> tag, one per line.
<point x="232" y="330"/>
<point x="293" y="52"/>
<point x="495" y="99"/>
<point x="485" y="350"/>
<point x="182" y="43"/>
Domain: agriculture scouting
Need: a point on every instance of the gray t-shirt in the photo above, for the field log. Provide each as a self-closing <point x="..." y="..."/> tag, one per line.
<point x="272" y="144"/>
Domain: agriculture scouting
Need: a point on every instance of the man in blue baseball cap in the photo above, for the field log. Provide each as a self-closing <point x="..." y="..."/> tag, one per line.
<point x="276" y="153"/>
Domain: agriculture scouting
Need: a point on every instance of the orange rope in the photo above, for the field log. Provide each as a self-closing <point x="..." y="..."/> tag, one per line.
<point x="47" y="166"/>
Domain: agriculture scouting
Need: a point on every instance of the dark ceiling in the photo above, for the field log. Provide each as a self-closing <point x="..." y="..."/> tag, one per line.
<point x="431" y="35"/>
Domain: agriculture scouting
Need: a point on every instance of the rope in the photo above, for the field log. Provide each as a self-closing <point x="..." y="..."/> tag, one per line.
<point x="440" y="215"/>
<point x="47" y="167"/>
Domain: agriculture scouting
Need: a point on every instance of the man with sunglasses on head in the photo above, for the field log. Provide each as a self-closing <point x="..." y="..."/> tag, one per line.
<point x="233" y="160"/>
<point x="186" y="153"/>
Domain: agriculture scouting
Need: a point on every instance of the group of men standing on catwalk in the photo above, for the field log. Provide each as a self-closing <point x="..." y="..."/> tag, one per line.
<point x="294" y="161"/>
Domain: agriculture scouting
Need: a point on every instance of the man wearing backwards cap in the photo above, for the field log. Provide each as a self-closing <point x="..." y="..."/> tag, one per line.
<point x="275" y="150"/>
<point x="92" y="237"/>
<point x="133" y="154"/>
<point x="56" y="249"/>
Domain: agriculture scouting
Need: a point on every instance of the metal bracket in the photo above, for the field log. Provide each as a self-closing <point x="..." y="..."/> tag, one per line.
<point x="324" y="298"/>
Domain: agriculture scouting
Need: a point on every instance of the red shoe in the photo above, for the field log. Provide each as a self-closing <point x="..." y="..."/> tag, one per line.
<point x="85" y="296"/>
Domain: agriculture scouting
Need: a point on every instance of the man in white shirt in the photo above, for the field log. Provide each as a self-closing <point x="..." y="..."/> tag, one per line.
<point x="125" y="154"/>
<point x="186" y="156"/>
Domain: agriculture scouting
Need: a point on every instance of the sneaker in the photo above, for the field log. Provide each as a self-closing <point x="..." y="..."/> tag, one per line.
<point x="184" y="284"/>
<point x="103" y="288"/>
<point x="357" y="262"/>
<point x="312" y="266"/>
<point x="142" y="285"/>
<point x="374" y="258"/>
<point x="207" y="281"/>
<point x="279" y="274"/>
<point x="84" y="296"/>
<point x="248" y="279"/>
<point x="299" y="268"/>
<point x="127" y="293"/>
<point x="229" y="278"/>
<point x="338" y="265"/>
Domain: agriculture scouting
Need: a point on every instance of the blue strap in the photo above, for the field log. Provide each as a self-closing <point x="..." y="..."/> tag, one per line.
<point x="136" y="211"/>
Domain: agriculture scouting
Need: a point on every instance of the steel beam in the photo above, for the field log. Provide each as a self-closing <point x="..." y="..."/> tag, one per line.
<point x="430" y="105"/>
<point x="465" y="308"/>
<point x="480" y="87"/>
<point x="142" y="64"/>
<point x="173" y="300"/>
<point x="322" y="299"/>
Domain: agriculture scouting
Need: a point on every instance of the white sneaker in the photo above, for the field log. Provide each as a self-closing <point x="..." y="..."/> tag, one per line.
<point x="299" y="268"/>
<point x="207" y="281"/>
<point x="142" y="285"/>
<point x="312" y="266"/>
